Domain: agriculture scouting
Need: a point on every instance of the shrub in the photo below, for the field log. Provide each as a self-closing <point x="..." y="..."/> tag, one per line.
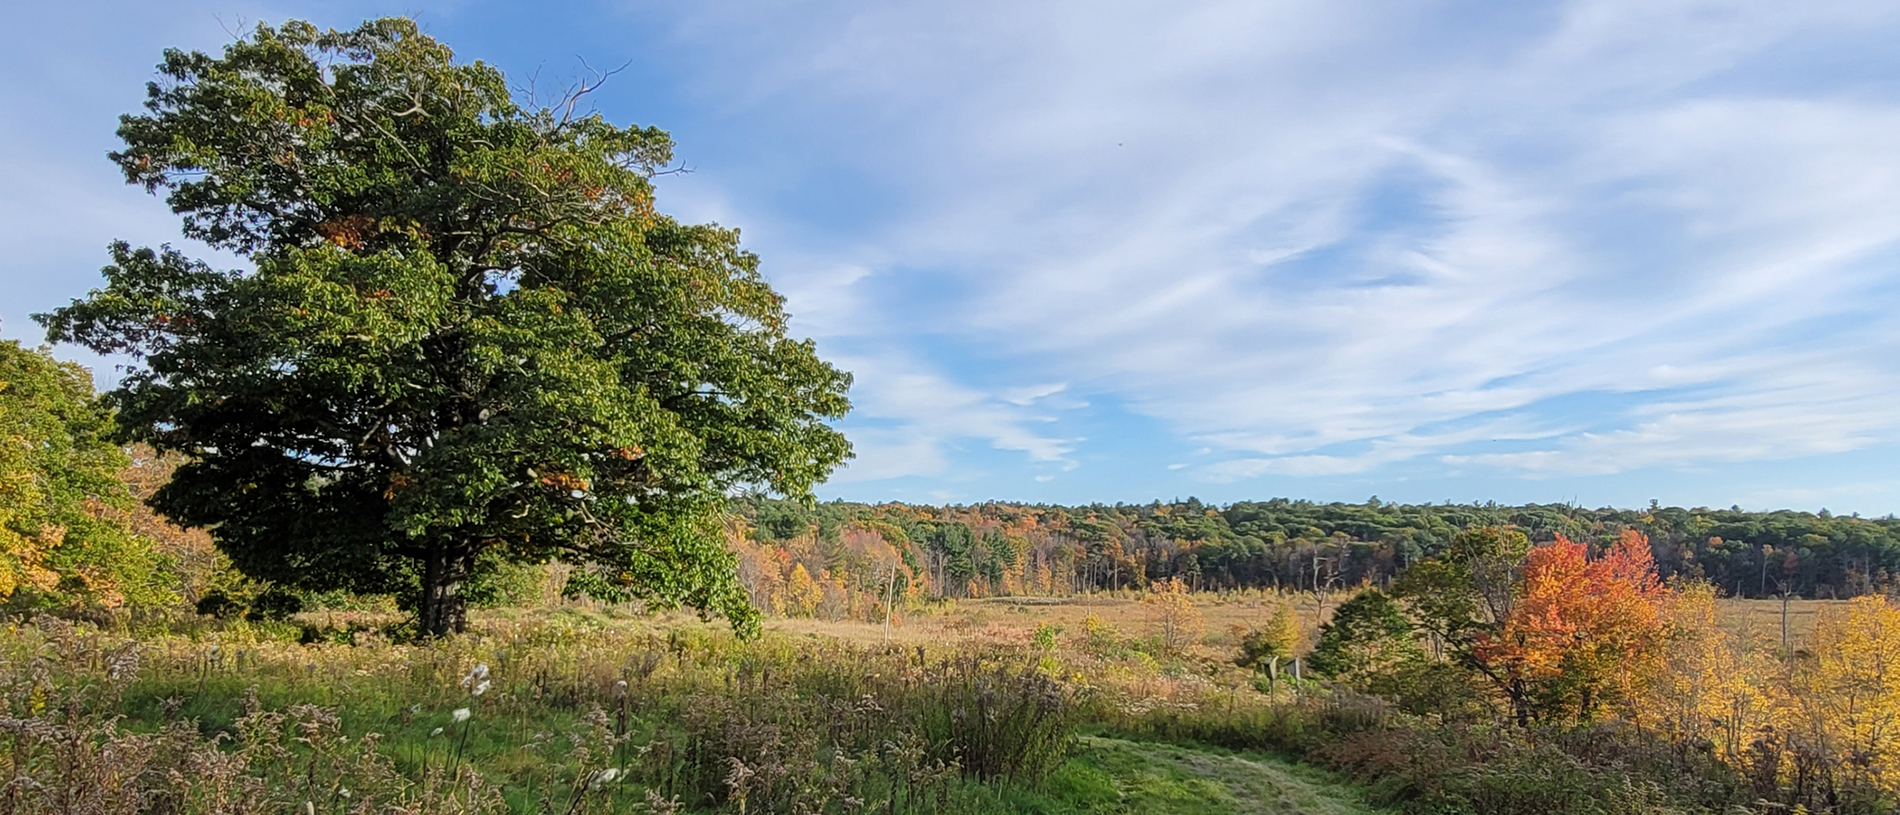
<point x="218" y="604"/>
<point x="1178" y="623"/>
<point x="274" y="604"/>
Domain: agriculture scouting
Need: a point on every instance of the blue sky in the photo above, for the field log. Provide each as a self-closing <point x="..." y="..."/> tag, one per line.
<point x="1599" y="252"/>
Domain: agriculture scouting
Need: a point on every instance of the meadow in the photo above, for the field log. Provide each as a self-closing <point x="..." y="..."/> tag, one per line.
<point x="1225" y="616"/>
<point x="1037" y="705"/>
<point x="591" y="708"/>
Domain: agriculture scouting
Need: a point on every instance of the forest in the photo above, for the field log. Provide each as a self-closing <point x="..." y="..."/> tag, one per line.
<point x="792" y="554"/>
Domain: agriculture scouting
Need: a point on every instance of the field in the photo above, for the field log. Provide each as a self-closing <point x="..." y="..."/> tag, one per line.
<point x="1761" y="619"/>
<point x="1224" y="616"/>
<point x="1014" y="616"/>
<point x="1033" y="705"/>
<point x="586" y="710"/>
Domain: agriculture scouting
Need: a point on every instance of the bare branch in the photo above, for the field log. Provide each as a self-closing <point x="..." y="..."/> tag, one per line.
<point x="583" y="88"/>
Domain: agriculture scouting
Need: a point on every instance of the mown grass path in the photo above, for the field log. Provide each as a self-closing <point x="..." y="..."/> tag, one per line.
<point x="1116" y="776"/>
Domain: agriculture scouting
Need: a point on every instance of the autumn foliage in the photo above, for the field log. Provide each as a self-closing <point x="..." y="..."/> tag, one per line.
<point x="64" y="540"/>
<point x="1178" y="621"/>
<point x="1582" y="629"/>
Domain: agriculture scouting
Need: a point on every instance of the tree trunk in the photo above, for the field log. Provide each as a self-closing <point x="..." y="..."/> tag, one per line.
<point x="444" y="610"/>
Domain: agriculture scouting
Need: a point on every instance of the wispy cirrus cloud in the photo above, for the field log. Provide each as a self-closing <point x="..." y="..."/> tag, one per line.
<point x="908" y="417"/>
<point x="1286" y="231"/>
<point x="1229" y="243"/>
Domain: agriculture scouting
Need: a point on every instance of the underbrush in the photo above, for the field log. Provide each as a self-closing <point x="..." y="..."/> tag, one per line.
<point x="1482" y="766"/>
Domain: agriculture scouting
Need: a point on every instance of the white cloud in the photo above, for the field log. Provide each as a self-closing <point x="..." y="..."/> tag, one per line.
<point x="1277" y="229"/>
<point x="1029" y="395"/>
<point x="1303" y="237"/>
<point x="904" y="417"/>
<point x="1800" y="407"/>
<point x="828" y="302"/>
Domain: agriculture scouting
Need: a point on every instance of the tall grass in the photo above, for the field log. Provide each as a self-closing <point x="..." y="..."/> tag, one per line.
<point x="569" y="712"/>
<point x="575" y="716"/>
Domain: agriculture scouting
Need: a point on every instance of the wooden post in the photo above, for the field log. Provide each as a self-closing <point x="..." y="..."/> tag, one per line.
<point x="889" y="589"/>
<point x="1785" y="653"/>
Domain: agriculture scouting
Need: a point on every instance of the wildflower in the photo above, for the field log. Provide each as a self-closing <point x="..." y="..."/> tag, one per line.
<point x="480" y="673"/>
<point x="460" y="714"/>
<point x="435" y="732"/>
<point x="606" y="776"/>
<point x="479" y="689"/>
<point x="620" y="689"/>
<point x="343" y="793"/>
<point x="415" y="708"/>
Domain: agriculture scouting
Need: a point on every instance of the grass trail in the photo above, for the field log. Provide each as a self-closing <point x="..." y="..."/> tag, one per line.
<point x="1115" y="776"/>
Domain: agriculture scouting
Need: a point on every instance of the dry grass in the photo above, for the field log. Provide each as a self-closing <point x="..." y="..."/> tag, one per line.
<point x="558" y="711"/>
<point x="675" y="705"/>
<point x="1010" y="619"/>
<point x="1760" y="620"/>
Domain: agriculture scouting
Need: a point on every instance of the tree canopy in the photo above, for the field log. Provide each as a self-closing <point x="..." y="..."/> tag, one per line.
<point x="469" y="337"/>
<point x="1367" y="636"/>
<point x="61" y="544"/>
<point x="1298" y="544"/>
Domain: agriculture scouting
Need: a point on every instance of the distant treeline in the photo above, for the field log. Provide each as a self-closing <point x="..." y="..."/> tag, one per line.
<point x="844" y="549"/>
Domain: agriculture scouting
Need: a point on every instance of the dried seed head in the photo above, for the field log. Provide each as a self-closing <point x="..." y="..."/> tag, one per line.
<point x="478" y="674"/>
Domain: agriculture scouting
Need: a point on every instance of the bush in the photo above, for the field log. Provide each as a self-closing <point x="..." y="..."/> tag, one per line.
<point x="220" y="605"/>
<point x="274" y="605"/>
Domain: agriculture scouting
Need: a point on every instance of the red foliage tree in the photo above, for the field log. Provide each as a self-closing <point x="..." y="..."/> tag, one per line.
<point x="1582" y="632"/>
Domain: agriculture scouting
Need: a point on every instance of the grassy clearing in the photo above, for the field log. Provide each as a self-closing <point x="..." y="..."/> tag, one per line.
<point x="1224" y="618"/>
<point x="1014" y="619"/>
<point x="1117" y="776"/>
<point x="972" y="707"/>
<point x="573" y="712"/>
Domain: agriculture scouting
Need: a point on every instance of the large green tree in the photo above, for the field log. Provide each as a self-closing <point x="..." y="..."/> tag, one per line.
<point x="64" y="540"/>
<point x="468" y="336"/>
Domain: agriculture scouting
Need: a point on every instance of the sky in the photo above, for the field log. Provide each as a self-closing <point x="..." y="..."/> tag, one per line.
<point x="1599" y="252"/>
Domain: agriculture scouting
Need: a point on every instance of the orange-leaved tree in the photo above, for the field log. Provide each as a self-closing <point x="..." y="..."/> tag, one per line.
<point x="1582" y="631"/>
<point x="803" y="594"/>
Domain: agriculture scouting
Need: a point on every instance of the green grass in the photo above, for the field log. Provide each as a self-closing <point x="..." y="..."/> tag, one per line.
<point x="823" y="726"/>
<point x="1115" y="776"/>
